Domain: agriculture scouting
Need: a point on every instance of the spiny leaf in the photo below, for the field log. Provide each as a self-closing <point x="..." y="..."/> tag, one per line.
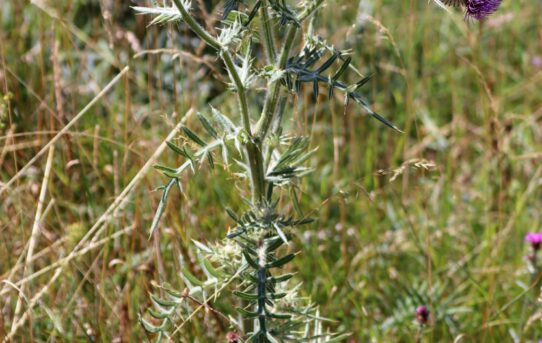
<point x="223" y="121"/>
<point x="202" y="246"/>
<point x="250" y="260"/>
<point x="343" y="68"/>
<point x="230" y="5"/>
<point x="276" y="296"/>
<point x="165" y="302"/>
<point x="161" y="206"/>
<point x="281" y="278"/>
<point x="281" y="261"/>
<point x="181" y="151"/>
<point x="207" y="125"/>
<point x="160" y="315"/>
<point x="163" y="14"/>
<point x="169" y="172"/>
<point x="153" y="328"/>
<point x="232" y="214"/>
<point x="211" y="160"/>
<point x="279" y="315"/>
<point x="247" y="314"/>
<point x="192" y="135"/>
<point x="191" y="278"/>
<point x="281" y="233"/>
<point x="274" y="243"/>
<point x="246" y="296"/>
<point x="362" y="82"/>
<point x="212" y="270"/>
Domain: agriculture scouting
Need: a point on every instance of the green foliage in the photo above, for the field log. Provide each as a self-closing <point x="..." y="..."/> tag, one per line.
<point x="260" y="231"/>
<point x="387" y="237"/>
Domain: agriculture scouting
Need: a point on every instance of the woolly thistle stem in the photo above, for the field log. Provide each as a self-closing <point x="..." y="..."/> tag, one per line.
<point x="252" y="151"/>
<point x="272" y="97"/>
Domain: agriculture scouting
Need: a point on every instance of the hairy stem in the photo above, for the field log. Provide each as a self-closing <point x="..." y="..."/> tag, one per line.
<point x="271" y="100"/>
<point x="269" y="39"/>
<point x="197" y="28"/>
<point x="252" y="151"/>
<point x="240" y="88"/>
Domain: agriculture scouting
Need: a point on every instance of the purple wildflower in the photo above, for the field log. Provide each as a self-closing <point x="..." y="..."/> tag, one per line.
<point x="422" y="314"/>
<point x="535" y="238"/>
<point x="479" y="9"/>
<point x="232" y="337"/>
<point x="537" y="62"/>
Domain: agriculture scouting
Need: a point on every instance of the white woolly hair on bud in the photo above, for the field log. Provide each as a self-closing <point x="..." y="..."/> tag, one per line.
<point x="262" y="254"/>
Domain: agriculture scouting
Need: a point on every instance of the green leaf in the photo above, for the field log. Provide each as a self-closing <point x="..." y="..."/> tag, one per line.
<point x="207" y="125"/>
<point x="251" y="261"/>
<point x="247" y="314"/>
<point x="202" y="247"/>
<point x="281" y="261"/>
<point x="191" y="278"/>
<point x="161" y="314"/>
<point x="276" y="296"/>
<point x="232" y="214"/>
<point x="281" y="233"/>
<point x="172" y="292"/>
<point x="211" y="160"/>
<point x="281" y="278"/>
<point x="279" y="315"/>
<point x="175" y="148"/>
<point x="223" y="121"/>
<point x="212" y="270"/>
<point x="295" y="201"/>
<point x="192" y="135"/>
<point x="169" y="172"/>
<point x="153" y="328"/>
<point x="165" y="302"/>
<point x="362" y="82"/>
<point x="163" y="14"/>
<point x="274" y="243"/>
<point x="342" y="69"/>
<point x="161" y="206"/>
<point x="246" y="296"/>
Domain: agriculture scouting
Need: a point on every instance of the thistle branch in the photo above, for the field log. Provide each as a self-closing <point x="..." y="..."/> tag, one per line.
<point x="271" y="100"/>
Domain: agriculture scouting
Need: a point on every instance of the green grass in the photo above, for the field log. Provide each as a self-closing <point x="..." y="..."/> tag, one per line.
<point x="450" y="236"/>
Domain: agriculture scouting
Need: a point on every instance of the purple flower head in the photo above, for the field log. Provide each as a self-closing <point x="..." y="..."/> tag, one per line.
<point x="535" y="238"/>
<point x="479" y="9"/>
<point x="232" y="337"/>
<point x="422" y="314"/>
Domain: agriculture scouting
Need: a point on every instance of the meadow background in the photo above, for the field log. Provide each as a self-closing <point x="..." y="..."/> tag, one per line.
<point x="435" y="216"/>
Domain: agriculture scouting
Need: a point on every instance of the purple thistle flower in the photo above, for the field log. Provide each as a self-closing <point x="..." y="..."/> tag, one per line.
<point x="232" y="337"/>
<point x="422" y="314"/>
<point x="535" y="238"/>
<point x="479" y="9"/>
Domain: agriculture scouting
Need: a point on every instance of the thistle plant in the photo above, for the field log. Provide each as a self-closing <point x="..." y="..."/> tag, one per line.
<point x="266" y="44"/>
